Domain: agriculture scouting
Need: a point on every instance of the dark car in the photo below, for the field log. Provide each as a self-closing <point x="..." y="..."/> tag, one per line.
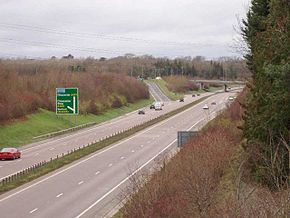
<point x="9" y="153"/>
<point x="193" y="95"/>
<point x="152" y="106"/>
<point x="141" y="111"/>
<point x="198" y="94"/>
<point x="181" y="100"/>
<point x="213" y="103"/>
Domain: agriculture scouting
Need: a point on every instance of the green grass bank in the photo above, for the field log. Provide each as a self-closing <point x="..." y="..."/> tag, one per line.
<point x="22" y="131"/>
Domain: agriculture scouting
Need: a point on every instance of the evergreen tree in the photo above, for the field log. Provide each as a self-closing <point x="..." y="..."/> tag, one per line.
<point x="267" y="117"/>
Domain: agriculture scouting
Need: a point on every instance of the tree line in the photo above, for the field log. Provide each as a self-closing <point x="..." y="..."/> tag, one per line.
<point x="26" y="87"/>
<point x="28" y="84"/>
<point x="149" y="66"/>
<point x="267" y="119"/>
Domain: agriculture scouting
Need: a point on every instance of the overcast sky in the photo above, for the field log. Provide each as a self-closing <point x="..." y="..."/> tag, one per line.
<point x="96" y="28"/>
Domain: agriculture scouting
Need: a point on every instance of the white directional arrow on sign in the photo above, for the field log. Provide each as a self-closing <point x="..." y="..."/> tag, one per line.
<point x="74" y="105"/>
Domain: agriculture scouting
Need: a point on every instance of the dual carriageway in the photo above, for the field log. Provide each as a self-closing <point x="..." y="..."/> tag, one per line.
<point x="91" y="186"/>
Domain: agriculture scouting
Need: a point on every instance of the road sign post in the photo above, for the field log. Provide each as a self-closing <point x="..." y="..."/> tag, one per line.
<point x="67" y="102"/>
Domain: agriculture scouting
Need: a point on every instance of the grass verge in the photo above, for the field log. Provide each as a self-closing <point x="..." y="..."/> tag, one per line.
<point x="86" y="150"/>
<point x="162" y="85"/>
<point x="44" y="122"/>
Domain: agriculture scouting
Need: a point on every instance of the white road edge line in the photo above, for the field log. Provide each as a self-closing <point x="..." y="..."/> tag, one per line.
<point x="98" y="172"/>
<point x="32" y="211"/>
<point x="124" y="180"/>
<point x="81" y="182"/>
<point x="132" y="174"/>
<point x="97" y="154"/>
<point x="109" y="122"/>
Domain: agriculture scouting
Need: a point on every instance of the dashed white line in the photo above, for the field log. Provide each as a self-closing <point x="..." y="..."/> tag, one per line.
<point x="98" y="172"/>
<point x="122" y="158"/>
<point x="132" y="174"/>
<point x="81" y="182"/>
<point x="141" y="146"/>
<point x="32" y="211"/>
<point x="89" y="158"/>
<point x="59" y="195"/>
<point x="110" y="165"/>
<point x="132" y="151"/>
<point x="124" y="180"/>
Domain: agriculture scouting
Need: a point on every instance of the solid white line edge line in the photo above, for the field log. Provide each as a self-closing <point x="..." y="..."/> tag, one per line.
<point x="132" y="174"/>
<point x="97" y="154"/>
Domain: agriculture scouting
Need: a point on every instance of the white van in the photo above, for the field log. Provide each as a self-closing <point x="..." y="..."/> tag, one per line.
<point x="158" y="106"/>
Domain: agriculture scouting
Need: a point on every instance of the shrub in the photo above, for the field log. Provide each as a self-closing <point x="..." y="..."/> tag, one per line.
<point x="27" y="86"/>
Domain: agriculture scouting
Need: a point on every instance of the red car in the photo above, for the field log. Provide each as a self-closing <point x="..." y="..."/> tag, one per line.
<point x="9" y="153"/>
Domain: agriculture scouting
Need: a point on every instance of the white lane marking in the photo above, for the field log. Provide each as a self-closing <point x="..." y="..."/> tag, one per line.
<point x="98" y="172"/>
<point x="132" y="151"/>
<point x="51" y="149"/>
<point x="132" y="174"/>
<point x="122" y="158"/>
<point x="110" y="165"/>
<point x="59" y="195"/>
<point x="141" y="146"/>
<point x="95" y="155"/>
<point x="32" y="211"/>
<point x="153" y="95"/>
<point x="98" y="126"/>
<point x="109" y="123"/>
<point x="124" y="180"/>
<point x="81" y="182"/>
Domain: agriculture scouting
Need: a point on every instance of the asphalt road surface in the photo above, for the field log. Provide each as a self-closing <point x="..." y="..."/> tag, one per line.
<point x="44" y="150"/>
<point x="156" y="92"/>
<point x="89" y="187"/>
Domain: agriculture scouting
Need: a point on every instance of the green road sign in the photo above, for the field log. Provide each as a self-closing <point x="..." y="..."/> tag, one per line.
<point x="67" y="101"/>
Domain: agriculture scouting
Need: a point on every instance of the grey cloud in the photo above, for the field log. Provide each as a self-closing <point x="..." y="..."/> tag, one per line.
<point x="207" y="24"/>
